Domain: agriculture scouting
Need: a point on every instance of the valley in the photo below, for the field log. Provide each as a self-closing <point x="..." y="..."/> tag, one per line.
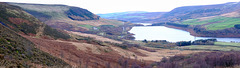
<point x="62" y="36"/>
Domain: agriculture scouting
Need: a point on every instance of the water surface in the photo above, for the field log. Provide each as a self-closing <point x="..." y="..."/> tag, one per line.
<point x="169" y="34"/>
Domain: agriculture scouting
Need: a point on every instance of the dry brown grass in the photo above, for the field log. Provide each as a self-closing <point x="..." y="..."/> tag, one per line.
<point x="89" y="48"/>
<point x="206" y="18"/>
<point x="75" y="52"/>
<point x="232" y="14"/>
<point x="160" y="53"/>
<point x="96" y="37"/>
<point x="88" y="22"/>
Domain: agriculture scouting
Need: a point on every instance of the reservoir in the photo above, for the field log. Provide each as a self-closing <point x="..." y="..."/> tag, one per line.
<point x="169" y="34"/>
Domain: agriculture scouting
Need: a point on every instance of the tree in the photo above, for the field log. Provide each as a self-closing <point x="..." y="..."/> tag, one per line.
<point x="145" y="41"/>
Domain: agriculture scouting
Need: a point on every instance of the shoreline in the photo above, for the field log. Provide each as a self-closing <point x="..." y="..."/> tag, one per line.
<point x="193" y="33"/>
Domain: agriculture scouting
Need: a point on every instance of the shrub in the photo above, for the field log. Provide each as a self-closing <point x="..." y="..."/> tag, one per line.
<point x="183" y="43"/>
<point x="204" y="42"/>
<point x="237" y="26"/>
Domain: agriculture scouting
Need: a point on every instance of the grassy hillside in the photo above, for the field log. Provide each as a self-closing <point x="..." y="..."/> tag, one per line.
<point x="66" y="17"/>
<point x="16" y="51"/>
<point x="22" y="22"/>
<point x="225" y="23"/>
<point x="58" y="11"/>
<point x="192" y="12"/>
<point x="76" y="19"/>
<point x="221" y="20"/>
<point x="178" y="14"/>
<point x="215" y="23"/>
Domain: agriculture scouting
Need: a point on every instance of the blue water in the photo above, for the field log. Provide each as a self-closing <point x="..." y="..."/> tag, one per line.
<point x="169" y="34"/>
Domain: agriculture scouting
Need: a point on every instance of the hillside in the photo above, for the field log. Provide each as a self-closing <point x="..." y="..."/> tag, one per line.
<point x="48" y="47"/>
<point x="22" y="22"/>
<point x="16" y="51"/>
<point x="176" y="15"/>
<point x="76" y="19"/>
<point x="66" y="17"/>
<point x="219" y="59"/>
<point x="57" y="11"/>
<point x="225" y="25"/>
<point x="191" y="12"/>
<point x="220" y="20"/>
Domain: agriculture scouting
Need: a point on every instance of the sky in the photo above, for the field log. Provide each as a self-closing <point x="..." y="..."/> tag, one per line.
<point x="111" y="6"/>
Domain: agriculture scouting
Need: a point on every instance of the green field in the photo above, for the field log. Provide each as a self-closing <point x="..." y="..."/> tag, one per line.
<point x="224" y="22"/>
<point x="194" y="22"/>
<point x="221" y="46"/>
<point x="201" y="22"/>
<point x="86" y="26"/>
<point x="216" y="23"/>
<point x="227" y="43"/>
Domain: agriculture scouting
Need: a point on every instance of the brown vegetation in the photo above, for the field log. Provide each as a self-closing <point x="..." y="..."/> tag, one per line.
<point x="18" y="21"/>
<point x="96" y="37"/>
<point x="16" y="51"/>
<point x="77" y="53"/>
<point x="202" y="60"/>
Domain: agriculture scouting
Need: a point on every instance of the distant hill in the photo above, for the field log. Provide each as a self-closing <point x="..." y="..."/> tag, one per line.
<point x="134" y="17"/>
<point x="177" y="14"/>
<point x="224" y="25"/>
<point x="110" y="15"/>
<point x="191" y="12"/>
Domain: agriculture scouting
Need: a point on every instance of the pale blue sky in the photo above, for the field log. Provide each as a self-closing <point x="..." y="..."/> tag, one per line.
<point x="110" y="6"/>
